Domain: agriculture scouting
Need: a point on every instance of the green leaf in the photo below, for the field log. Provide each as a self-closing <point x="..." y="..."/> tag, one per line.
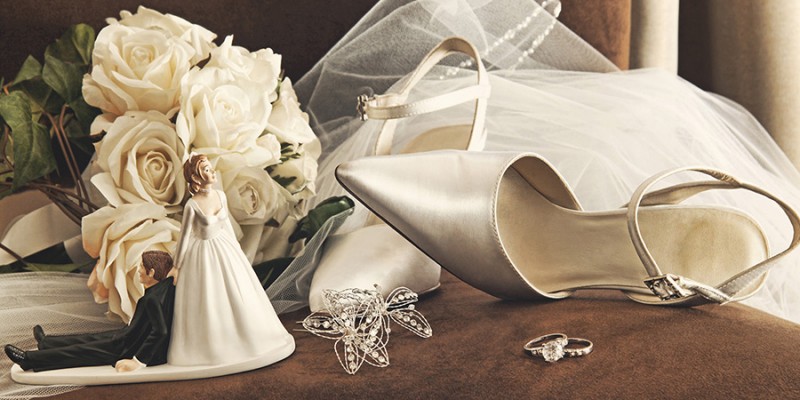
<point x="74" y="46"/>
<point x="64" y="49"/>
<point x="15" y="110"/>
<point x="33" y="156"/>
<point x="31" y="69"/>
<point x="79" y="137"/>
<point x="311" y="223"/>
<point x="267" y="272"/>
<point x="29" y="81"/>
<point x="7" y="148"/>
<point x="65" y="78"/>
<point x="41" y="96"/>
<point x="83" y="36"/>
<point x="84" y="113"/>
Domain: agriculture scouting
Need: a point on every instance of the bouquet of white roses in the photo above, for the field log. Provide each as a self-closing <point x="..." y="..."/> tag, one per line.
<point x="166" y="90"/>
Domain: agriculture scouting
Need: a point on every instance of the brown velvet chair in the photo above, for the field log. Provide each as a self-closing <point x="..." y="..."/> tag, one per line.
<point x="476" y="351"/>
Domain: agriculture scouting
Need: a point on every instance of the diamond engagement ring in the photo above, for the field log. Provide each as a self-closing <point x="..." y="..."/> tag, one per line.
<point x="553" y="347"/>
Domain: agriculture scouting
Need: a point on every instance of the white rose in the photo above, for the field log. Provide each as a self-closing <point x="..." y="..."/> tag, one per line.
<point x="136" y="69"/>
<point x="201" y="39"/>
<point x="263" y="66"/>
<point x="253" y="197"/>
<point x="265" y="152"/>
<point x="141" y="160"/>
<point x="302" y="170"/>
<point x="118" y="237"/>
<point x="222" y="113"/>
<point x="287" y="121"/>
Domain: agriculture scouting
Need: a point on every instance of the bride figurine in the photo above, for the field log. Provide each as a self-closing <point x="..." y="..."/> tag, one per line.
<point x="222" y="314"/>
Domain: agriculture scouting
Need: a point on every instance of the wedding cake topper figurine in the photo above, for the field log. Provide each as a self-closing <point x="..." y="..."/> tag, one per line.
<point x="222" y="321"/>
<point x="222" y="314"/>
<point x="143" y="342"/>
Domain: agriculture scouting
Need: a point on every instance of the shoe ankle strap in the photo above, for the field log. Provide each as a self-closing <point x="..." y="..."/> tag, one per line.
<point x="392" y="106"/>
<point x="670" y="286"/>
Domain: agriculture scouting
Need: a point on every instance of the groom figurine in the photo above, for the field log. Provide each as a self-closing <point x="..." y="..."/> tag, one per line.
<point x="143" y="342"/>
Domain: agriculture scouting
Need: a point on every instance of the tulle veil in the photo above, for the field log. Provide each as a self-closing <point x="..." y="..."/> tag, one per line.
<point x="604" y="130"/>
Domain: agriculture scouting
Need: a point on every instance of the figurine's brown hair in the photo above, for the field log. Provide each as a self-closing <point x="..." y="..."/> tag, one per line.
<point x="192" y="173"/>
<point x="160" y="261"/>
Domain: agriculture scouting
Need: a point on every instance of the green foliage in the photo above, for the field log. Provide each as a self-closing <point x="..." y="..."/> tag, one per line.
<point x="42" y="100"/>
<point x="31" y="69"/>
<point x="37" y="97"/>
<point x="82" y="37"/>
<point x="74" y="46"/>
<point x="85" y="115"/>
<point x="6" y="173"/>
<point x="311" y="223"/>
<point x="65" y="78"/>
<point x="79" y="136"/>
<point x="33" y="155"/>
<point x="29" y="81"/>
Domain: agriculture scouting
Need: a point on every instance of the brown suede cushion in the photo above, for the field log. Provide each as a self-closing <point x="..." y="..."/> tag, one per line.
<point x="729" y="351"/>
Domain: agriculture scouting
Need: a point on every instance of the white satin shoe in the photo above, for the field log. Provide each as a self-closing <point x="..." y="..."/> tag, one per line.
<point x="509" y="225"/>
<point x="376" y="254"/>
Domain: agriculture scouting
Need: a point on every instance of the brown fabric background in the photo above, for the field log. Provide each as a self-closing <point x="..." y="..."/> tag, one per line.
<point x="606" y="25"/>
<point x="300" y="30"/>
<point x="730" y="352"/>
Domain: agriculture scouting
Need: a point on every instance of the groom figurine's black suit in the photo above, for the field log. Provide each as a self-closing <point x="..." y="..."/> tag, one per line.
<point x="145" y="339"/>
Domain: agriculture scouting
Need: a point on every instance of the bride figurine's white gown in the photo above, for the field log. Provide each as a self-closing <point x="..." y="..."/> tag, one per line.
<point x="222" y="314"/>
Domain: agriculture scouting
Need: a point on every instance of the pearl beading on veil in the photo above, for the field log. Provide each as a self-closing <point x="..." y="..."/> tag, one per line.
<point x="512" y="33"/>
<point x="540" y="38"/>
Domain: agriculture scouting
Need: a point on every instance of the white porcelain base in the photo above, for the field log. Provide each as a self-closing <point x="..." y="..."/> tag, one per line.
<point x="107" y="375"/>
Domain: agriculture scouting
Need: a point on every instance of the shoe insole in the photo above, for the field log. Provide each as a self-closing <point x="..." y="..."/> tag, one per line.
<point x="558" y="249"/>
<point x="454" y="137"/>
